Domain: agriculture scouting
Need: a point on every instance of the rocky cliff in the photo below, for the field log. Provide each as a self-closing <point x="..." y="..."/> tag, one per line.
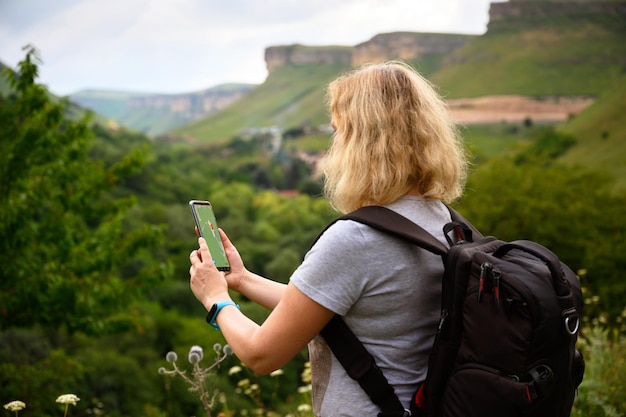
<point x="405" y="46"/>
<point x="190" y="106"/>
<point x="412" y="45"/>
<point x="277" y="56"/>
<point x="386" y="46"/>
<point x="504" y="14"/>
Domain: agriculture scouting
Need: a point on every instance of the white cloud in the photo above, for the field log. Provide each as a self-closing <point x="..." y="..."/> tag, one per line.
<point x="187" y="45"/>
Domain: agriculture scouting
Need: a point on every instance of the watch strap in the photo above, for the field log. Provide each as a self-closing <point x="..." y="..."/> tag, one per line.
<point x="217" y="307"/>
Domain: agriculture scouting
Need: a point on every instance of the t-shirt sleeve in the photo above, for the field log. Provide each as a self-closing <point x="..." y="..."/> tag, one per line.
<point x="334" y="271"/>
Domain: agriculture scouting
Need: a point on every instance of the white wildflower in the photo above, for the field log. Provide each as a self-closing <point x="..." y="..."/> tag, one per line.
<point x="68" y="399"/>
<point x="234" y="370"/>
<point x="15" y="406"/>
<point x="305" y="389"/>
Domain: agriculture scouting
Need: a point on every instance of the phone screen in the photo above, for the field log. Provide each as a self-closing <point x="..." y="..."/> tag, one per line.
<point x="207" y="226"/>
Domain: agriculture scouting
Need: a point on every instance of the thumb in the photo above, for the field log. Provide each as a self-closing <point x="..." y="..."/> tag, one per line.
<point x="225" y="240"/>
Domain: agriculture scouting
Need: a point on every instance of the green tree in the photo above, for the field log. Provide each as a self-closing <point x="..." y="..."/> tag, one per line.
<point x="67" y="253"/>
<point x="571" y="211"/>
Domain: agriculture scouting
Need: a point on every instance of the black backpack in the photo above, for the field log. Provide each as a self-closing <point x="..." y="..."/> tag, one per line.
<point x="506" y="341"/>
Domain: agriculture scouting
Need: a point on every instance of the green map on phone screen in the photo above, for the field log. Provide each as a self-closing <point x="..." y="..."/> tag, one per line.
<point x="211" y="234"/>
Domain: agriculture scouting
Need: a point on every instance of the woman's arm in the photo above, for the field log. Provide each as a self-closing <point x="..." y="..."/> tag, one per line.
<point x="294" y="321"/>
<point x="261" y="290"/>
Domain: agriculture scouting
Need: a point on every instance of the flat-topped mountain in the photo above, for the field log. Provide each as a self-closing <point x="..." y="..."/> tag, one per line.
<point x="406" y="46"/>
<point x="516" y="11"/>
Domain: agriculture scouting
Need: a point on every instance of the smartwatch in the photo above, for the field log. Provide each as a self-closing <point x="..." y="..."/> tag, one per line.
<point x="215" y="310"/>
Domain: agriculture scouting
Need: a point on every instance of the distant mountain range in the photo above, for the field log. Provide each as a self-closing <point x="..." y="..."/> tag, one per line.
<point x="158" y="113"/>
<point x="155" y="114"/>
<point x="540" y="49"/>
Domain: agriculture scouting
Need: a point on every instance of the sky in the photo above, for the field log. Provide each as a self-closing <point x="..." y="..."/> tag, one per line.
<point x="181" y="46"/>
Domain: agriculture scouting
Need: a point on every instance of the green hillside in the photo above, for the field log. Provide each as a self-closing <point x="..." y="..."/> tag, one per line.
<point x="151" y="121"/>
<point x="583" y="55"/>
<point x="601" y="135"/>
<point x="112" y="104"/>
<point x="292" y="96"/>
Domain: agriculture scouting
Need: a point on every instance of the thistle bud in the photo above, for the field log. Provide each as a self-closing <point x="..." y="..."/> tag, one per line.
<point x="195" y="354"/>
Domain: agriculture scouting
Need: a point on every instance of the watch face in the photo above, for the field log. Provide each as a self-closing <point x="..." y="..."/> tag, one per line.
<point x="211" y="316"/>
<point x="215" y="309"/>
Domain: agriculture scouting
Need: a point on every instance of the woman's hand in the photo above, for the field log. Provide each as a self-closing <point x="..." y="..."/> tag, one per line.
<point x="207" y="283"/>
<point x="260" y="290"/>
<point x="237" y="272"/>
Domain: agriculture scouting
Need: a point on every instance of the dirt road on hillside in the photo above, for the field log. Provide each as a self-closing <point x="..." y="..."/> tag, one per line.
<point x="515" y="109"/>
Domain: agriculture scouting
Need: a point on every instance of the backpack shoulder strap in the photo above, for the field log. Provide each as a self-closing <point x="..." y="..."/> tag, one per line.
<point x="390" y="222"/>
<point x="395" y="224"/>
<point x="468" y="228"/>
<point x="361" y="366"/>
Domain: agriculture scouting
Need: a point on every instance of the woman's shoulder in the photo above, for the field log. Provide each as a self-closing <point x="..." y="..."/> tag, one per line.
<point x="344" y="232"/>
<point x="416" y="208"/>
<point x="429" y="214"/>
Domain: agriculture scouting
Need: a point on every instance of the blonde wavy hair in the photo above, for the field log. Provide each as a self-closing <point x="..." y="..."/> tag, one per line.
<point x="393" y="136"/>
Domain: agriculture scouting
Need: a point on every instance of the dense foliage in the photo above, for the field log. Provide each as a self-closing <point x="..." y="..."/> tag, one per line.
<point x="568" y="209"/>
<point x="67" y="257"/>
<point x="94" y="293"/>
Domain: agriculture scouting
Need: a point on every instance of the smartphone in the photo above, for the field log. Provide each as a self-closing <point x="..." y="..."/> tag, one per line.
<point x="207" y="227"/>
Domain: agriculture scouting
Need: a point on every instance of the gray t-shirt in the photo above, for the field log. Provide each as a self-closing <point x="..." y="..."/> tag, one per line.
<point x="389" y="294"/>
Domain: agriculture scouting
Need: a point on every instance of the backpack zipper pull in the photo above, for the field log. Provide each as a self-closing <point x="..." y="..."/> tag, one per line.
<point x="442" y="319"/>
<point x="481" y="281"/>
<point x="496" y="274"/>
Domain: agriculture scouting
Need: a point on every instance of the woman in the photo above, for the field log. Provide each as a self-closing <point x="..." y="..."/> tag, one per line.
<point x="394" y="145"/>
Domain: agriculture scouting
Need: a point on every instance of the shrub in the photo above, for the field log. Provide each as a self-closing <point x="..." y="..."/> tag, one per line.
<point x="603" y="391"/>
